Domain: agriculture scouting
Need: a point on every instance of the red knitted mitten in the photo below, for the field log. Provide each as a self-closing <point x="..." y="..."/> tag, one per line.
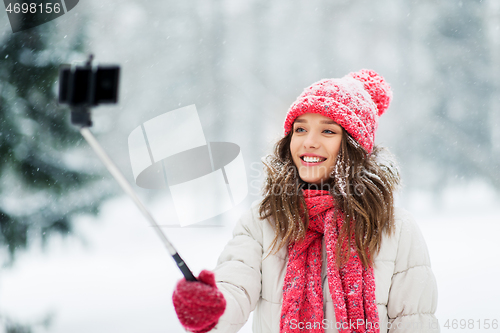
<point x="199" y="304"/>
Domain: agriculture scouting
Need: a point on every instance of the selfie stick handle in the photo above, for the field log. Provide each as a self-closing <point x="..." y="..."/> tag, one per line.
<point x="112" y="168"/>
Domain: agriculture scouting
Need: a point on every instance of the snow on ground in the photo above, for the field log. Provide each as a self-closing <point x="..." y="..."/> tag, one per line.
<point x="116" y="276"/>
<point x="465" y="249"/>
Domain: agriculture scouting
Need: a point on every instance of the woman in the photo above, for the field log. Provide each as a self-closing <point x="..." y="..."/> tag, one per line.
<point x="325" y="250"/>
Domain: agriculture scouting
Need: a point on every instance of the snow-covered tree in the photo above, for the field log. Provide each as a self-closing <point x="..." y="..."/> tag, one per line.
<point x="45" y="180"/>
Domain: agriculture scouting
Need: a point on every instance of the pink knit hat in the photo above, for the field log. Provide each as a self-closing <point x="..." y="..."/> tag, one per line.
<point x="354" y="102"/>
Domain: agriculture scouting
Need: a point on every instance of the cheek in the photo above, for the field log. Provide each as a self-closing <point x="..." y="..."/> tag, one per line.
<point x="335" y="150"/>
<point x="293" y="146"/>
<point x="336" y="153"/>
<point x="337" y="145"/>
<point x="294" y="150"/>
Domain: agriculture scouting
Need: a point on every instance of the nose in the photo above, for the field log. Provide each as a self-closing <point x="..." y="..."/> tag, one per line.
<point x="311" y="141"/>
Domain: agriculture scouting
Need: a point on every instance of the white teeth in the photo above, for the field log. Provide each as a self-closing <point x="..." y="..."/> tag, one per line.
<point x="310" y="159"/>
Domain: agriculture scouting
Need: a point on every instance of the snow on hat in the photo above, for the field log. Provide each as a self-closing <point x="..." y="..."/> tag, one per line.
<point x="354" y="102"/>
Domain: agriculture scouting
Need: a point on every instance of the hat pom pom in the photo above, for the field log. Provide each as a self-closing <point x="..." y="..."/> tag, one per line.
<point x="376" y="86"/>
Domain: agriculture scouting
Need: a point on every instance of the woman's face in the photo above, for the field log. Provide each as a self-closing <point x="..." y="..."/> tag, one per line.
<point x="315" y="144"/>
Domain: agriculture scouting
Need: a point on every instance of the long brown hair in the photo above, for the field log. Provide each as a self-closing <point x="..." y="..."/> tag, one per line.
<point x="362" y="187"/>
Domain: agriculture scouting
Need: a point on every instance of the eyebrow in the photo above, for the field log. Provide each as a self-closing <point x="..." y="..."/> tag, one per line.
<point x="321" y="122"/>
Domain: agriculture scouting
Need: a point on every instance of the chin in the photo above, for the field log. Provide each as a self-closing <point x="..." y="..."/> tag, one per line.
<point x="311" y="180"/>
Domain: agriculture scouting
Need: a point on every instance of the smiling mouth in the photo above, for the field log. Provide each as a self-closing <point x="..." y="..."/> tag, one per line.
<point x="310" y="159"/>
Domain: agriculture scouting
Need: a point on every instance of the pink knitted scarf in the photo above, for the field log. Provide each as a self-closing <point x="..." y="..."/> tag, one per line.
<point x="352" y="287"/>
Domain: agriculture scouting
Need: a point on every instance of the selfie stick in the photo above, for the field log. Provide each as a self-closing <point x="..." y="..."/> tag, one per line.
<point x="89" y="85"/>
<point x="113" y="169"/>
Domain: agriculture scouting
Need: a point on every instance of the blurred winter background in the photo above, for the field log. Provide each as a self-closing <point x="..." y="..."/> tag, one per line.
<point x="77" y="255"/>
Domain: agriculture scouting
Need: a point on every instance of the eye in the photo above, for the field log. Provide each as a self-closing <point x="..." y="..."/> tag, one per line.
<point x="298" y="129"/>
<point x="330" y="131"/>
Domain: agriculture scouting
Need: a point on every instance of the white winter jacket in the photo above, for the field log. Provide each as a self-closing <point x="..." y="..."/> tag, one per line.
<point x="406" y="290"/>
